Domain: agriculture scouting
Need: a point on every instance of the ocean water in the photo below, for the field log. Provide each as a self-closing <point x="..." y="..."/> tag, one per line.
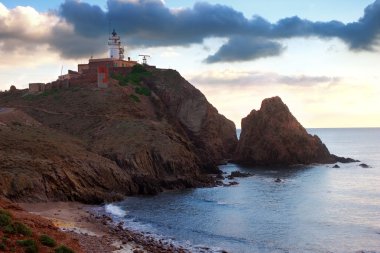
<point x="315" y="209"/>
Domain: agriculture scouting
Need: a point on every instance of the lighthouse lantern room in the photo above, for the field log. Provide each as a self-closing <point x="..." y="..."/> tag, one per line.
<point x="116" y="51"/>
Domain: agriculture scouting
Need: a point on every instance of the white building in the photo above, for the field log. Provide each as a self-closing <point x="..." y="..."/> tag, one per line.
<point x="116" y="51"/>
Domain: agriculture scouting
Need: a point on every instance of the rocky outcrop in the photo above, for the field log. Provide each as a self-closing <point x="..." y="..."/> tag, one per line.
<point x="104" y="144"/>
<point x="213" y="135"/>
<point x="273" y="136"/>
<point x="40" y="164"/>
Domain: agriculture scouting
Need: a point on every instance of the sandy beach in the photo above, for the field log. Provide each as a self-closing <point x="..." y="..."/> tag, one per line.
<point x="97" y="233"/>
<point x="75" y="218"/>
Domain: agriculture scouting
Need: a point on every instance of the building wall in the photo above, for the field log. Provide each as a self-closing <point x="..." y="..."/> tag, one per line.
<point x="36" y="87"/>
<point x="83" y="68"/>
<point x="103" y="77"/>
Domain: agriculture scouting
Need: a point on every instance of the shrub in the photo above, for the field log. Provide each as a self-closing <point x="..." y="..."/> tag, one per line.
<point x="9" y="229"/>
<point x="17" y="228"/>
<point x="3" y="246"/>
<point x="143" y="91"/>
<point x="22" y="229"/>
<point x="4" y="240"/>
<point x="138" y="69"/>
<point x="63" y="249"/>
<point x="134" y="98"/>
<point x="47" y="241"/>
<point x="5" y="218"/>
<point x="30" y="245"/>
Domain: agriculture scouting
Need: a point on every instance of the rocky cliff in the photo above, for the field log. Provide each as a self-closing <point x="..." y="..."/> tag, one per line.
<point x="273" y="136"/>
<point x="212" y="133"/>
<point x="141" y="135"/>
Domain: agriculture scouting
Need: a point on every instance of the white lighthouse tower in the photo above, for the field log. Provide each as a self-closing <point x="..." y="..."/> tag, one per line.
<point x="116" y="51"/>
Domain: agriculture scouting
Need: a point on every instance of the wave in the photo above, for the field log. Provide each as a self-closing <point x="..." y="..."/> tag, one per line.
<point x="115" y="210"/>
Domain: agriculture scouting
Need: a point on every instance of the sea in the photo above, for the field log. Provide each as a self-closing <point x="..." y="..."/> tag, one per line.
<point x="316" y="208"/>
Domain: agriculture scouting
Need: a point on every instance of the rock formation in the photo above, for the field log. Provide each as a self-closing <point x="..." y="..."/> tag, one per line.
<point x="102" y="144"/>
<point x="273" y="136"/>
<point x="213" y="134"/>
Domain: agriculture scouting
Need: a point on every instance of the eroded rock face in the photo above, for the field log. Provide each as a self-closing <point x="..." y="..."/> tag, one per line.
<point x="104" y="144"/>
<point x="273" y="136"/>
<point x="40" y="164"/>
<point x="213" y="135"/>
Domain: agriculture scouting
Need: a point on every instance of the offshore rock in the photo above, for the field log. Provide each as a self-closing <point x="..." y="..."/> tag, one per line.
<point x="273" y="136"/>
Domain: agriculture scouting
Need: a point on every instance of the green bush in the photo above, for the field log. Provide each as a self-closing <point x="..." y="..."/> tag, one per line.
<point x="3" y="246"/>
<point x="134" y="98"/>
<point x="22" y="229"/>
<point x="5" y="218"/>
<point x="134" y="77"/>
<point x="138" y="69"/>
<point x="17" y="228"/>
<point x="63" y="249"/>
<point x="5" y="212"/>
<point x="4" y="239"/>
<point x="143" y="91"/>
<point x="29" y="245"/>
<point x="47" y="241"/>
<point x="9" y="229"/>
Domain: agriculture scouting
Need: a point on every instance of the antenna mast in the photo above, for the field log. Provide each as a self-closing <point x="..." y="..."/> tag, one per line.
<point x="144" y="58"/>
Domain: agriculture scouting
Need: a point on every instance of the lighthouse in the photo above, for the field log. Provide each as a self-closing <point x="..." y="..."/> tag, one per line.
<point x="116" y="51"/>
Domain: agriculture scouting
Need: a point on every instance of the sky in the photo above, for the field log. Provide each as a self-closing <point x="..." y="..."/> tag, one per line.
<point x="321" y="57"/>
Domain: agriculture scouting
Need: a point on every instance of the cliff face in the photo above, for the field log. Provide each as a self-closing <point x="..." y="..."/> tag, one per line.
<point x="106" y="143"/>
<point x="40" y="164"/>
<point x="273" y="136"/>
<point x="213" y="135"/>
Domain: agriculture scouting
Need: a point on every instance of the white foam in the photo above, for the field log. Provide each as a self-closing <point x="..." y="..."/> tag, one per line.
<point x="115" y="210"/>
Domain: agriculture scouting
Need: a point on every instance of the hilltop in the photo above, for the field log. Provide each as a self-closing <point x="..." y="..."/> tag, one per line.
<point x="149" y="130"/>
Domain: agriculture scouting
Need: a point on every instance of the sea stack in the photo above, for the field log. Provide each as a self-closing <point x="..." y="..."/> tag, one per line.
<point x="273" y="136"/>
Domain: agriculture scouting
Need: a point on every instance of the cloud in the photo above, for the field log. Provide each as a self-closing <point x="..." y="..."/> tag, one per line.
<point x="24" y="27"/>
<point x="252" y="78"/>
<point x="243" y="48"/>
<point x="78" y="29"/>
<point x="151" y="23"/>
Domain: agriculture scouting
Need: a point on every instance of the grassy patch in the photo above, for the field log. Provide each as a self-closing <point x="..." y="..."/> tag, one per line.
<point x="22" y="229"/>
<point x="47" y="241"/>
<point x="5" y="218"/>
<point x="63" y="249"/>
<point x="134" y="77"/>
<point x="54" y="92"/>
<point x="123" y="80"/>
<point x="134" y="98"/>
<point x="9" y="229"/>
<point x="17" y="228"/>
<point x="75" y="89"/>
<point x="143" y="91"/>
<point x="29" y="97"/>
<point x="29" y="245"/>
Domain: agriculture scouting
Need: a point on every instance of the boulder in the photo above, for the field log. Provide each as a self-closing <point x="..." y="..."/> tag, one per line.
<point x="238" y="174"/>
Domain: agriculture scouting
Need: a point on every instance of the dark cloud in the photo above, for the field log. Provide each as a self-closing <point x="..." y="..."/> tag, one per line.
<point x="75" y="46"/>
<point x="151" y="23"/>
<point x="243" y="48"/>
<point x="89" y="20"/>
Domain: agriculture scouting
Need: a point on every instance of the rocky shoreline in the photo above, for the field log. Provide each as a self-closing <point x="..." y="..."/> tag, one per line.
<point x="97" y="232"/>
